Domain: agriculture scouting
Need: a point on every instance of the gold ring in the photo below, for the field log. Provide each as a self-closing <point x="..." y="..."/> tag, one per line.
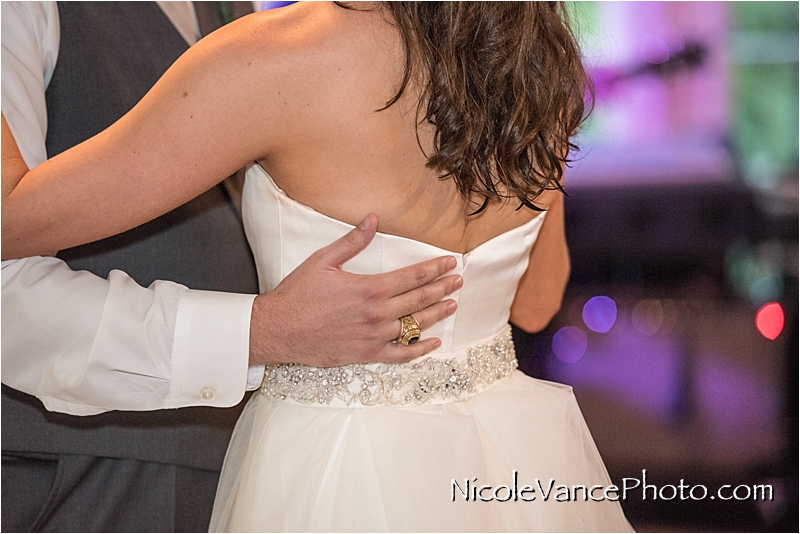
<point x="409" y="330"/>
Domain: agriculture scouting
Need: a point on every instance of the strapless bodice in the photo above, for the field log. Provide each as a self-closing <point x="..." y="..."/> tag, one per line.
<point x="283" y="233"/>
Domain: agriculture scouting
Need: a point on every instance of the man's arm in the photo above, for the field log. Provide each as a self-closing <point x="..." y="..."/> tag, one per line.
<point x="84" y="344"/>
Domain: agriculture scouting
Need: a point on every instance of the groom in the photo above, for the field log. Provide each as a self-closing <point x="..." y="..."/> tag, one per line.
<point x="86" y="338"/>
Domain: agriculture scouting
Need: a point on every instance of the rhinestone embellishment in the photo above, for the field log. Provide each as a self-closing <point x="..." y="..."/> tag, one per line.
<point x="428" y="380"/>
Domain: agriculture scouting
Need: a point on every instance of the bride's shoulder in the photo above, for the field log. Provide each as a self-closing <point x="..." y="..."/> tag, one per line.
<point x="310" y="29"/>
<point x="304" y="68"/>
<point x="309" y="51"/>
<point x="276" y="48"/>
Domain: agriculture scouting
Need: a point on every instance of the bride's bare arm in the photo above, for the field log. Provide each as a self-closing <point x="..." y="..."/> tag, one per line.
<point x="541" y="288"/>
<point x="207" y="117"/>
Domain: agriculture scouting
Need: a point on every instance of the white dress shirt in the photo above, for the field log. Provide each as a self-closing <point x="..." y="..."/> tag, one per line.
<point x="83" y="344"/>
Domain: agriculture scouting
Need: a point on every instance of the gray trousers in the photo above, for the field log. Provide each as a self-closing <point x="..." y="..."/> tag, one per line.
<point x="78" y="493"/>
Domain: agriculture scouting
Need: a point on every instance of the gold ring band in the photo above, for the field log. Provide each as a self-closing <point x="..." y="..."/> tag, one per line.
<point x="409" y="330"/>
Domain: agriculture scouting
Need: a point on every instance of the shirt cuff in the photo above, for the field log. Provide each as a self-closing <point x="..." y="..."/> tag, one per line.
<point x="211" y="349"/>
<point x="255" y="375"/>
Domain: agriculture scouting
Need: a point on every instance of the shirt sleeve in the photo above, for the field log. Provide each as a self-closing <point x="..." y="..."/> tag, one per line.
<point x="30" y="36"/>
<point x="85" y="344"/>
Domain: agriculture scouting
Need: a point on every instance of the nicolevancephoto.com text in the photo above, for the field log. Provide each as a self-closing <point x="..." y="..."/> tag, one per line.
<point x="473" y="491"/>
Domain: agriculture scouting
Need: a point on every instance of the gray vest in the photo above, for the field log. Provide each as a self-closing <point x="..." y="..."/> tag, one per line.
<point x="111" y="54"/>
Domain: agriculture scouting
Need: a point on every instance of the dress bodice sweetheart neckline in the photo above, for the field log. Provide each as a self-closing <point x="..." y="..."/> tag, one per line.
<point x="508" y="234"/>
<point x="284" y="232"/>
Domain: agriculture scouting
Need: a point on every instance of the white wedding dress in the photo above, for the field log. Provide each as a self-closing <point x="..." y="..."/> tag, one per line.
<point x="405" y="448"/>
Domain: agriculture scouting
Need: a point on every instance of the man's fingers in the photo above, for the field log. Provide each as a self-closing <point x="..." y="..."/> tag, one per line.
<point x="351" y="244"/>
<point x="420" y="298"/>
<point x="433" y="314"/>
<point x="424" y="304"/>
<point x="408" y="278"/>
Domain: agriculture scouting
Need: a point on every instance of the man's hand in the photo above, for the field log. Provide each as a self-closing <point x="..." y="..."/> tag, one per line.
<point x="323" y="316"/>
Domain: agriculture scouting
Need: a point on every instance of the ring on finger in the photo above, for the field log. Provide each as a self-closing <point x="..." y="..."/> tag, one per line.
<point x="409" y="330"/>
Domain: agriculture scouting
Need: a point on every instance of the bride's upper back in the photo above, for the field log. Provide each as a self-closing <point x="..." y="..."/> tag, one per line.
<point x="338" y="152"/>
<point x="304" y="91"/>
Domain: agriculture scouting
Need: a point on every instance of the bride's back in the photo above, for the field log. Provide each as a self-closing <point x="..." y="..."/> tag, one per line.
<point x="304" y="90"/>
<point x="337" y="151"/>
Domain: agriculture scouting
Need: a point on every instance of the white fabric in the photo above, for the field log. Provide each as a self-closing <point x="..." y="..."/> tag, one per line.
<point x="86" y="345"/>
<point x="30" y="36"/>
<point x="182" y="15"/>
<point x="320" y="467"/>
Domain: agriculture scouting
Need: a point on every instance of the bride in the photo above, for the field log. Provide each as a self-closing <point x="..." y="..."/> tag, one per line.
<point x="451" y="123"/>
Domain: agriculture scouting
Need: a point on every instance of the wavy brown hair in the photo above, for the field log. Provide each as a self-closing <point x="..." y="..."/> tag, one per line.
<point x="504" y="86"/>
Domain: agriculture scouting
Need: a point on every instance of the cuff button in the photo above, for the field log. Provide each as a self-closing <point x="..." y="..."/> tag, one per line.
<point x="207" y="394"/>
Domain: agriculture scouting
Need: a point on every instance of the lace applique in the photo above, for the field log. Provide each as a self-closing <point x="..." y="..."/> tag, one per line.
<point x="431" y="379"/>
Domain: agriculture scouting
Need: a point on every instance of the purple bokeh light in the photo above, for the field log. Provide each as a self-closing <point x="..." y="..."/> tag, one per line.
<point x="600" y="314"/>
<point x="654" y="50"/>
<point x="264" y="6"/>
<point x="569" y="344"/>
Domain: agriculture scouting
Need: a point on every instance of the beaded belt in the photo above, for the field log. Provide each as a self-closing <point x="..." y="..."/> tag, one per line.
<point x="432" y="380"/>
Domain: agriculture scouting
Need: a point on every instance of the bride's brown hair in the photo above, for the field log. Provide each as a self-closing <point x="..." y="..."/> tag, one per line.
<point x="504" y="86"/>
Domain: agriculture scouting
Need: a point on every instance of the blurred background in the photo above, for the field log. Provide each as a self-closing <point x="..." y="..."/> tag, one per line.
<point x="679" y="328"/>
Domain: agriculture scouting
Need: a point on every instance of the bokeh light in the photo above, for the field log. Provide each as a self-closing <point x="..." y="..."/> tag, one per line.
<point x="654" y="50"/>
<point x="263" y="6"/>
<point x="769" y="320"/>
<point x="600" y="314"/>
<point x="647" y="317"/>
<point x="670" y="310"/>
<point x="569" y="344"/>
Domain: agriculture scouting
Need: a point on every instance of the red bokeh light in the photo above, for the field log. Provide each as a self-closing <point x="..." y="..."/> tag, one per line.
<point x="769" y="320"/>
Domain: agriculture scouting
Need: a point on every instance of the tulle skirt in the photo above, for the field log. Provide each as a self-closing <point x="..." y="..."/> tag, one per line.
<point x="513" y="457"/>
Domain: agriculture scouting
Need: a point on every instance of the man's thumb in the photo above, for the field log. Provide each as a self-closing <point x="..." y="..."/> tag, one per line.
<point x="352" y="243"/>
